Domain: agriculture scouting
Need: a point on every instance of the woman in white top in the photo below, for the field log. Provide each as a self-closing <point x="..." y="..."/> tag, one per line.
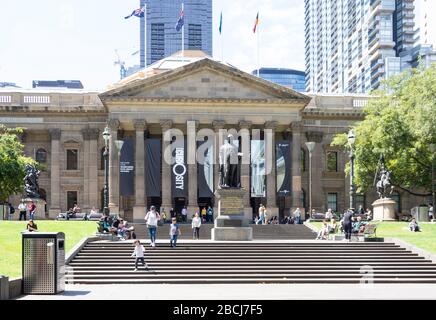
<point x="151" y="219"/>
<point x="196" y="224"/>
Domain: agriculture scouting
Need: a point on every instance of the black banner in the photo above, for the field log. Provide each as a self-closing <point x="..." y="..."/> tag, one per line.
<point x="283" y="168"/>
<point x="127" y="168"/>
<point x="152" y="167"/>
<point x="205" y="174"/>
<point x="179" y="169"/>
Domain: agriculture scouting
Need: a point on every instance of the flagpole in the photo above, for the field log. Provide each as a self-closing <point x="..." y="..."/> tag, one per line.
<point x="258" y="49"/>
<point x="183" y="31"/>
<point x="221" y="34"/>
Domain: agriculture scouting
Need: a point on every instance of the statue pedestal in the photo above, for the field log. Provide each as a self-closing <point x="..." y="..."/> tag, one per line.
<point x="40" y="208"/>
<point x="384" y="210"/>
<point x="231" y="225"/>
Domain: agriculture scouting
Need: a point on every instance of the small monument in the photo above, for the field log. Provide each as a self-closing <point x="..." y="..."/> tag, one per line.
<point x="230" y="225"/>
<point x="384" y="207"/>
<point x="31" y="190"/>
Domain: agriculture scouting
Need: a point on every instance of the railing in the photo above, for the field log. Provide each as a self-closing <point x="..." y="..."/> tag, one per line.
<point x="6" y="99"/>
<point x="36" y="99"/>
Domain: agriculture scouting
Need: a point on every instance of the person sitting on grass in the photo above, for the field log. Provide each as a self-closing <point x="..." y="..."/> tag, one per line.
<point x="323" y="232"/>
<point x="31" y="226"/>
<point x="413" y="226"/>
<point x="359" y="225"/>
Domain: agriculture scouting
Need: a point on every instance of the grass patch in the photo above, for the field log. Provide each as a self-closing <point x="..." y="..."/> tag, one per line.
<point x="425" y="240"/>
<point x="10" y="240"/>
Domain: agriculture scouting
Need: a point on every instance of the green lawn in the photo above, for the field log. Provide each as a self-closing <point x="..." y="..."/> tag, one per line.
<point x="10" y="240"/>
<point x="425" y="240"/>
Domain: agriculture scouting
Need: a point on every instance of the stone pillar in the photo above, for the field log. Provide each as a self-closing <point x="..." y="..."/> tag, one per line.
<point x="217" y="126"/>
<point x="270" y="155"/>
<point x="166" y="168"/>
<point x="55" y="185"/>
<point x="140" y="199"/>
<point x="93" y="168"/>
<point x="114" y="169"/>
<point x="244" y="127"/>
<point x="296" y="168"/>
<point x="318" y="196"/>
<point x="86" y="158"/>
<point x="192" y="167"/>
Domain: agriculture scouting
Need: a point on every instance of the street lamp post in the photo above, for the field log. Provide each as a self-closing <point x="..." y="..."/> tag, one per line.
<point x="351" y="141"/>
<point x="433" y="194"/>
<point x="310" y="146"/>
<point x="106" y="137"/>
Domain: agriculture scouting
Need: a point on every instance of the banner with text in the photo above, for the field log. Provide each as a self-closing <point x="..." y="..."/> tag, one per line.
<point x="152" y="167"/>
<point x="179" y="169"/>
<point x="283" y="168"/>
<point x="127" y="168"/>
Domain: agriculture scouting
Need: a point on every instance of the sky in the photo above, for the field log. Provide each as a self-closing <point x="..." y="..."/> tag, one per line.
<point x="77" y="39"/>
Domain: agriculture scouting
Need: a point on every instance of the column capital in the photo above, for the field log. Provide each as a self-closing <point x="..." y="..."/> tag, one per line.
<point x="90" y="134"/>
<point x="140" y="124"/>
<point x="243" y="124"/>
<point x="196" y="122"/>
<point x="114" y="124"/>
<point x="55" y="134"/>
<point x="166" y="124"/>
<point x="271" y="125"/>
<point x="297" y="126"/>
<point x="218" y="124"/>
<point x="315" y="136"/>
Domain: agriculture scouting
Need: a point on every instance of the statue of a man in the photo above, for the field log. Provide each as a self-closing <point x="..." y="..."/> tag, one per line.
<point x="229" y="164"/>
<point x="31" y="186"/>
<point x="384" y="186"/>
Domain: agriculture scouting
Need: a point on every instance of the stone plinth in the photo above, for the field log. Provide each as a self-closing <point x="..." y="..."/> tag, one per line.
<point x="40" y="208"/>
<point x="231" y="224"/>
<point x="384" y="210"/>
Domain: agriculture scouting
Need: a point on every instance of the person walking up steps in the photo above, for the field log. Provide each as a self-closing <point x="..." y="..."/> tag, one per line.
<point x="151" y="218"/>
<point x="138" y="253"/>
<point x="196" y="224"/>
<point x="174" y="232"/>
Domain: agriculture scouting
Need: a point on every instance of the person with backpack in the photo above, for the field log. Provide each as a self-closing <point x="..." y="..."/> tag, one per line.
<point x="11" y="211"/>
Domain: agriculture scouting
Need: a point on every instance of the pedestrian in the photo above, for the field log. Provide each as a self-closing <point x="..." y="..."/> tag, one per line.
<point x="196" y="224"/>
<point x="32" y="209"/>
<point x="174" y="232"/>
<point x="209" y="214"/>
<point x="172" y="213"/>
<point x="430" y="212"/>
<point x="23" y="211"/>
<point x="163" y="215"/>
<point x="138" y="253"/>
<point x="413" y="226"/>
<point x="297" y="216"/>
<point x="368" y="214"/>
<point x="360" y="211"/>
<point x="184" y="214"/>
<point x="11" y="211"/>
<point x="152" y="218"/>
<point x="347" y="224"/>
<point x="261" y="214"/>
<point x="203" y="214"/>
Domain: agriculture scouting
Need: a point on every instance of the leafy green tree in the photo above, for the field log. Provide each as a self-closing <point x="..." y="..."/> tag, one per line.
<point x="12" y="163"/>
<point x="400" y="122"/>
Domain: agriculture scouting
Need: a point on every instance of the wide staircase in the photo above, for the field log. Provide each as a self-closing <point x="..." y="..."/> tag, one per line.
<point x="278" y="232"/>
<point x="106" y="262"/>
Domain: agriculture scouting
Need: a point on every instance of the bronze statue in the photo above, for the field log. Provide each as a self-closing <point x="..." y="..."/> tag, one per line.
<point x="229" y="164"/>
<point x="383" y="185"/>
<point x="31" y="187"/>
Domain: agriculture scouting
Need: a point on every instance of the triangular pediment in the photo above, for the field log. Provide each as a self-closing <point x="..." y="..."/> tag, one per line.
<point x="203" y="79"/>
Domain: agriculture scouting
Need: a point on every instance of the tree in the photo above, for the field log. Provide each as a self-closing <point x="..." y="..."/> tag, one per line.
<point x="400" y="122"/>
<point x="12" y="163"/>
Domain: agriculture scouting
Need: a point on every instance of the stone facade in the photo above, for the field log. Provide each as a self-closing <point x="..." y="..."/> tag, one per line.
<point x="64" y="126"/>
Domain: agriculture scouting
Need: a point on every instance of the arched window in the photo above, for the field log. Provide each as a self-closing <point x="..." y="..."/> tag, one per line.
<point x="41" y="155"/>
<point x="303" y="160"/>
<point x="397" y="197"/>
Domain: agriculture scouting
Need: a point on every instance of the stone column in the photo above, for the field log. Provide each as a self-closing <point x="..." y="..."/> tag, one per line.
<point x="296" y="168"/>
<point x="192" y="167"/>
<point x="55" y="185"/>
<point x="244" y="127"/>
<point x="93" y="168"/>
<point x="318" y="196"/>
<point x="270" y="155"/>
<point x="140" y="199"/>
<point x="114" y="168"/>
<point x="166" y="169"/>
<point x="86" y="158"/>
<point x="217" y="126"/>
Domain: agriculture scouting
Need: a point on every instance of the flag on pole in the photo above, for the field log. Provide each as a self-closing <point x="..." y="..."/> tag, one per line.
<point x="137" y="13"/>
<point x="181" y="20"/>
<point x="221" y="23"/>
<point x="256" y="23"/>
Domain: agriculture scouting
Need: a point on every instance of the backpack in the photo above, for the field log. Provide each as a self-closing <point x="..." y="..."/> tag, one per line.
<point x="11" y="210"/>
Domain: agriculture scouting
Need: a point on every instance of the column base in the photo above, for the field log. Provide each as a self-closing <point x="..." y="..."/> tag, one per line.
<point x="53" y="213"/>
<point x="230" y="228"/>
<point x="139" y="213"/>
<point x="114" y="209"/>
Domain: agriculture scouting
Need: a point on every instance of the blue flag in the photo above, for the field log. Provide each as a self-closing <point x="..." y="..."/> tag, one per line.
<point x="137" y="13"/>
<point x="221" y="23"/>
<point x="181" y="21"/>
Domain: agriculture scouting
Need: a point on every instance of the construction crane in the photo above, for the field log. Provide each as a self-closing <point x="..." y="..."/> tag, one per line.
<point x="122" y="65"/>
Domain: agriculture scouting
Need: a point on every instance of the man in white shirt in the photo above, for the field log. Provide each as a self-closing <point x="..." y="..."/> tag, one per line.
<point x="184" y="214"/>
<point x="23" y="211"/>
<point x="297" y="216"/>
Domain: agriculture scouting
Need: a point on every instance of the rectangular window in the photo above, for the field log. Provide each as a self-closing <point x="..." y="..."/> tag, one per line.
<point x="157" y="42"/>
<point x="360" y="201"/>
<point x="194" y="36"/>
<point x="72" y="159"/>
<point x="332" y="201"/>
<point x="71" y="199"/>
<point x="332" y="161"/>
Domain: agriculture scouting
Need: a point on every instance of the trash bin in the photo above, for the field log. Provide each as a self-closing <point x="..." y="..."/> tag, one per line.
<point x="43" y="262"/>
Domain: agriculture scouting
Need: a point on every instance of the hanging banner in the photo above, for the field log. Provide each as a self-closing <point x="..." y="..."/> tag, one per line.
<point x="258" y="185"/>
<point x="179" y="169"/>
<point x="283" y="168"/>
<point x="127" y="168"/>
<point x="205" y="173"/>
<point x="152" y="167"/>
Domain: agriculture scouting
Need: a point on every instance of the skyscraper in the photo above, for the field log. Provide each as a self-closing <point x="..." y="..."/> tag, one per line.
<point x="290" y="78"/>
<point x="351" y="45"/>
<point x="162" y="37"/>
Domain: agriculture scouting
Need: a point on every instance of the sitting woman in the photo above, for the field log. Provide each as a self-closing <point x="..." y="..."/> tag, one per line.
<point x="359" y="225"/>
<point x="104" y="225"/>
<point x="413" y="226"/>
<point x="333" y="226"/>
<point x="121" y="232"/>
<point x="323" y="232"/>
<point x="31" y="226"/>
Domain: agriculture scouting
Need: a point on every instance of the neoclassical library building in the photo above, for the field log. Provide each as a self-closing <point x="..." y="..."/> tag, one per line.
<point x="188" y="94"/>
